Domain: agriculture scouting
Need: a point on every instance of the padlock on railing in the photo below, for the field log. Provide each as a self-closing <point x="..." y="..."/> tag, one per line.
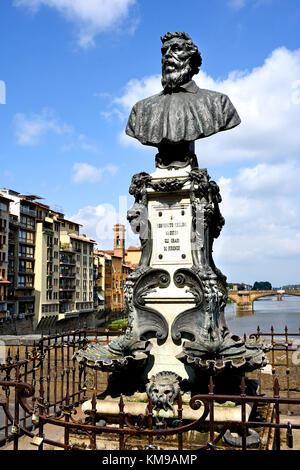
<point x="289" y="435"/>
<point x="14" y="429"/>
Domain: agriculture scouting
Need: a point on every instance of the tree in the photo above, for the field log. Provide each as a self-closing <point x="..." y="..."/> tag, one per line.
<point x="262" y="285"/>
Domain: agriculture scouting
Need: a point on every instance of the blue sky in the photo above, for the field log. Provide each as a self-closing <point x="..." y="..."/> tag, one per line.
<point x="73" y="69"/>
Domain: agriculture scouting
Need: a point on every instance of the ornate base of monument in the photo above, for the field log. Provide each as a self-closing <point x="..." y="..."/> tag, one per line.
<point x="177" y="334"/>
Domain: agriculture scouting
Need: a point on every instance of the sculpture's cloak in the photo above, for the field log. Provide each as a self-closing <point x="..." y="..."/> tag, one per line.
<point x="187" y="114"/>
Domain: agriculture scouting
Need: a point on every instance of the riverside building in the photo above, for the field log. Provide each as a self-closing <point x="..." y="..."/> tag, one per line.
<point x="47" y="266"/>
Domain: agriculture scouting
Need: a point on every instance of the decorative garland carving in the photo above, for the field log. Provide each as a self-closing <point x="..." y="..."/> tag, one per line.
<point x="211" y="346"/>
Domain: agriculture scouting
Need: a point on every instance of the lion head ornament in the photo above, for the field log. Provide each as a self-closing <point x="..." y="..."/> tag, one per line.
<point x="163" y="389"/>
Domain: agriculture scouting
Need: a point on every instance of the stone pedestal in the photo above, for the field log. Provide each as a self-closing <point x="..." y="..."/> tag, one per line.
<point x="177" y="336"/>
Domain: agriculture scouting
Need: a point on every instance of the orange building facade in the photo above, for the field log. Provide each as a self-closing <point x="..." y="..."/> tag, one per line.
<point x="116" y="266"/>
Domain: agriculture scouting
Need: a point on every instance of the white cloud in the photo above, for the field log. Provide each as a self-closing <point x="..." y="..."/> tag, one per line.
<point x="83" y="172"/>
<point x="237" y="4"/>
<point x="90" y="16"/>
<point x="30" y="128"/>
<point x="98" y="222"/>
<point x="81" y="143"/>
<point x="267" y="100"/>
<point x="136" y="90"/>
<point x="262" y="212"/>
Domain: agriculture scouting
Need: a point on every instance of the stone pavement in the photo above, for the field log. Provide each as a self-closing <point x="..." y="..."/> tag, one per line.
<point x="56" y="433"/>
<point x="293" y="419"/>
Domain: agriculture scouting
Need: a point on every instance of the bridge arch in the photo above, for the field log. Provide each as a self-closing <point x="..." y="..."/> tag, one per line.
<point x="244" y="299"/>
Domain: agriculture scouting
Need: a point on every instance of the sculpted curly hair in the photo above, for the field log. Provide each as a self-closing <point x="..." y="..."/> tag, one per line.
<point x="196" y="59"/>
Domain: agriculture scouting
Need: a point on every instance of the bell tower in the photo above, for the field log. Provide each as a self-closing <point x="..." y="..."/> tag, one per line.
<point x="119" y="240"/>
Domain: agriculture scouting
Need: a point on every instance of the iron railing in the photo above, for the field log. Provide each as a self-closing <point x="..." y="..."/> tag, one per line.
<point x="42" y="384"/>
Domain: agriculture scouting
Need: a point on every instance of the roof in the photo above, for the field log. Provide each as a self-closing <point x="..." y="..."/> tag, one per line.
<point x="133" y="248"/>
<point x="44" y="206"/>
<point x="30" y="197"/>
<point x="63" y="219"/>
<point x="6" y="198"/>
<point x="81" y="238"/>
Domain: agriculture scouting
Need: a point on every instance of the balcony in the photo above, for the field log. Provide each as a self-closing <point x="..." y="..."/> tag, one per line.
<point x="67" y="261"/>
<point x="26" y="241"/>
<point x="24" y="298"/>
<point x="26" y="210"/>
<point x="67" y="288"/>
<point x="25" y="226"/>
<point x="13" y="219"/>
<point x="66" y="247"/>
<point x="25" y="272"/>
<point x="26" y="256"/>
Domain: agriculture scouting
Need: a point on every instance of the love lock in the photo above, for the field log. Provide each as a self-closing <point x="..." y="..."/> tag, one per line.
<point x="289" y="435"/>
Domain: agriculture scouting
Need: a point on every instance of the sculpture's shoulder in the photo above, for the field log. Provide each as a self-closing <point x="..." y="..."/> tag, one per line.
<point x="212" y="95"/>
<point x="147" y="101"/>
<point x="219" y="105"/>
<point x="140" y="112"/>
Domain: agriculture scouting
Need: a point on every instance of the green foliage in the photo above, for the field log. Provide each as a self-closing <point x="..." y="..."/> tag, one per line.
<point x="262" y="285"/>
<point x="118" y="324"/>
<point x="291" y="286"/>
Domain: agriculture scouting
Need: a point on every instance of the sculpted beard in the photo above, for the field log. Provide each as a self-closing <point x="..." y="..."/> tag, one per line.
<point x="172" y="80"/>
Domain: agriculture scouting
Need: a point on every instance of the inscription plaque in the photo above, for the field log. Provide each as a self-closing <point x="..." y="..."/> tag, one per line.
<point x="171" y="234"/>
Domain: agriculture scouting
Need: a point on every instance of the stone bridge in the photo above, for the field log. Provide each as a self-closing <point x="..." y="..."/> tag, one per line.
<point x="244" y="298"/>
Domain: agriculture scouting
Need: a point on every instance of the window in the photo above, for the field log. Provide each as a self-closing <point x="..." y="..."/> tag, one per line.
<point x="22" y="236"/>
<point x="21" y="281"/>
<point x="25" y="266"/>
<point x="3" y="207"/>
<point x="49" y="295"/>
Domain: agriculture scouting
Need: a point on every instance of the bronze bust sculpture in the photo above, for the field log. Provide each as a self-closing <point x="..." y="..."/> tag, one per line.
<point x="182" y="113"/>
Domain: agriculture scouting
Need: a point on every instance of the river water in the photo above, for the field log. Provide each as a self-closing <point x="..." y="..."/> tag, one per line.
<point x="268" y="312"/>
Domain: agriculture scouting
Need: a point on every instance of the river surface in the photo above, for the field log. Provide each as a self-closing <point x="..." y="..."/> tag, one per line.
<point x="268" y="312"/>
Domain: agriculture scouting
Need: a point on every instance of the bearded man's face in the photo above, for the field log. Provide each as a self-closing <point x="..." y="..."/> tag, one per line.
<point x="176" y="68"/>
